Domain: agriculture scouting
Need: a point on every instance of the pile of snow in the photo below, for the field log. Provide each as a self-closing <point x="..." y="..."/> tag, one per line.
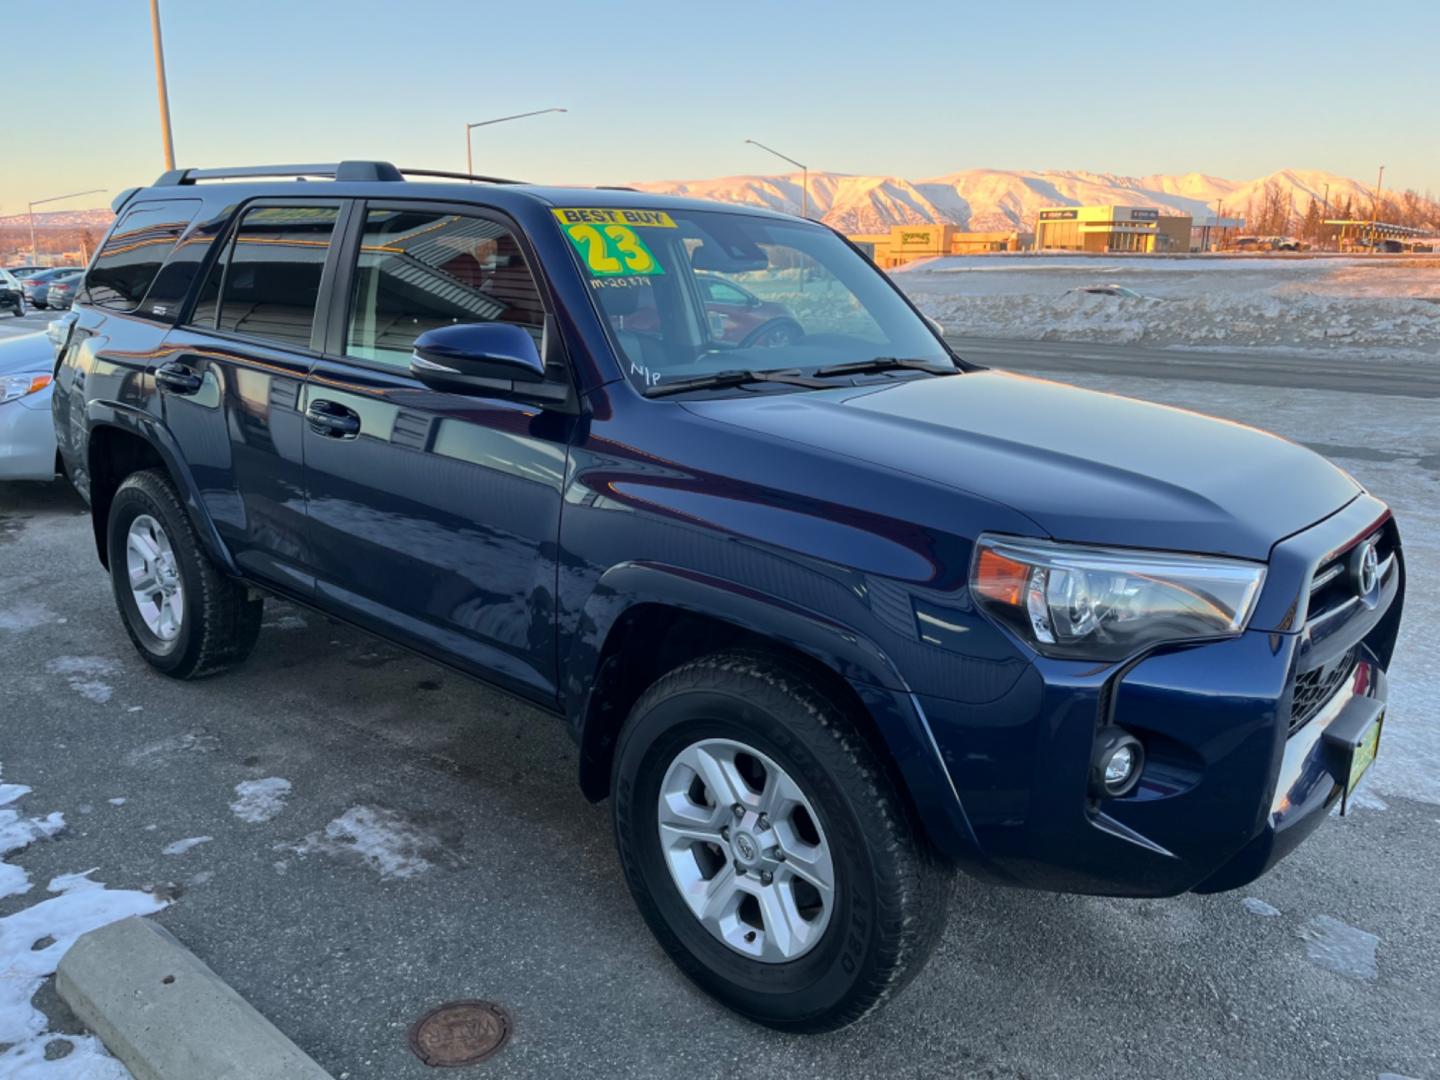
<point x="1382" y="307"/>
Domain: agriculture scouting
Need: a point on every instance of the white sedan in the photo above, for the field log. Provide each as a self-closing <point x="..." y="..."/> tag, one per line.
<point x="27" y="433"/>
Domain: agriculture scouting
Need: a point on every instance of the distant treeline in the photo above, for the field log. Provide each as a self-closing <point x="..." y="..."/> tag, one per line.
<point x="1273" y="212"/>
<point x="52" y="240"/>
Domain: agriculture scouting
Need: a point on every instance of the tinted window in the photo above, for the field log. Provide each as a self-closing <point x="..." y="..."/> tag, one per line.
<point x="418" y="270"/>
<point x="268" y="278"/>
<point x="135" y="251"/>
<point x="722" y="293"/>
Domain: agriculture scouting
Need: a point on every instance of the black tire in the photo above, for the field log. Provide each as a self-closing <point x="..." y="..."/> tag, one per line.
<point x="892" y="889"/>
<point x="221" y="620"/>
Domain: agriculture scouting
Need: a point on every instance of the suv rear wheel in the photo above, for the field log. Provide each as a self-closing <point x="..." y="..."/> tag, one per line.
<point x="185" y="617"/>
<point x="768" y="849"/>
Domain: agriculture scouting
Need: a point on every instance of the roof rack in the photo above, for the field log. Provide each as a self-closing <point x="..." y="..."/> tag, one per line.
<point x="344" y="170"/>
<point x="358" y="171"/>
<point x="460" y="176"/>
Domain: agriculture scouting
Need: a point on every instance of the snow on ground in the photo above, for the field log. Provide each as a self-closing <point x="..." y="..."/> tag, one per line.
<point x="1383" y="307"/>
<point x="381" y="839"/>
<point x="258" y="801"/>
<point x="32" y="941"/>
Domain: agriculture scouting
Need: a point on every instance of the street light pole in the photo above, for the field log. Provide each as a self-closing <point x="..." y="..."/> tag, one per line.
<point x="804" y="176"/>
<point x="166" y="137"/>
<point x="469" y="159"/>
<point x="1375" y="211"/>
<point x="34" y="251"/>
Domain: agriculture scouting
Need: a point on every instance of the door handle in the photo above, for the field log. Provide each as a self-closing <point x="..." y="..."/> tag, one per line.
<point x="332" y="420"/>
<point x="178" y="378"/>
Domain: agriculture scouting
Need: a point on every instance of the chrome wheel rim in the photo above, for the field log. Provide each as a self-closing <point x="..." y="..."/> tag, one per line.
<point x="155" y="581"/>
<point x="746" y="850"/>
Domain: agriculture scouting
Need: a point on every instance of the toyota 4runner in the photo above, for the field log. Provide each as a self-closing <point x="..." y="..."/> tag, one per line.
<point x="828" y="610"/>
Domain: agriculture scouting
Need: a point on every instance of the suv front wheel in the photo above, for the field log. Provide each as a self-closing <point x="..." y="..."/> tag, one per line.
<point x="185" y="617"/>
<point x="767" y="847"/>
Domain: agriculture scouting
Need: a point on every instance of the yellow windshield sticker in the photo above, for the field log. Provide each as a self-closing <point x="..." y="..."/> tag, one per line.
<point x="649" y="219"/>
<point x="613" y="250"/>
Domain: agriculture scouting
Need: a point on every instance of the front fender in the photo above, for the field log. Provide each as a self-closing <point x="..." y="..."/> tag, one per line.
<point x="143" y="425"/>
<point x="865" y="667"/>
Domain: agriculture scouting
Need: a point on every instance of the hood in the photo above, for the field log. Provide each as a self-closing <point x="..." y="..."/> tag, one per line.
<point x="29" y="352"/>
<point x="1084" y="466"/>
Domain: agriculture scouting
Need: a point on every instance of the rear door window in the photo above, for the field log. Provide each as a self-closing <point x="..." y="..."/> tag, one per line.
<point x="134" y="252"/>
<point x="267" y="281"/>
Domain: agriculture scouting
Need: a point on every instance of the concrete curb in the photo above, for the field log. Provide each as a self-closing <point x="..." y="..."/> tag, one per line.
<point x="166" y="1015"/>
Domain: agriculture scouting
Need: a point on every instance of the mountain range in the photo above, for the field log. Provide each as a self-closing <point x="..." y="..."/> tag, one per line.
<point x="985" y="200"/>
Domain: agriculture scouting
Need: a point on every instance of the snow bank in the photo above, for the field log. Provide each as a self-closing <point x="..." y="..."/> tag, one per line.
<point x="1351" y="304"/>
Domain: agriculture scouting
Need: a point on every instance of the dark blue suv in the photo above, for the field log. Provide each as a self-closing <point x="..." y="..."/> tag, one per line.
<point x="828" y="610"/>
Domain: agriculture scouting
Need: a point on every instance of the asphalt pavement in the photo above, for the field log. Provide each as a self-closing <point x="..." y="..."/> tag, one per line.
<point x="432" y="844"/>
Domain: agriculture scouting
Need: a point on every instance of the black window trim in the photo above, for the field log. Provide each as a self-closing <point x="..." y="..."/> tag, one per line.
<point x="220" y="249"/>
<point x="338" y="315"/>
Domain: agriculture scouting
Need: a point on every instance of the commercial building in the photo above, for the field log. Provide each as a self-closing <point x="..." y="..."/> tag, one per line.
<point x="1111" y="228"/>
<point x="906" y="243"/>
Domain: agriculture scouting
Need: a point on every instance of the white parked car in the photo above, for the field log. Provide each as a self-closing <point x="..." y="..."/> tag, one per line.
<point x="27" y="432"/>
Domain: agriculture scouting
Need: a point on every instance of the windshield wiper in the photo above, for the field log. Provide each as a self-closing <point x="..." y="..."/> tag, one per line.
<point x="885" y="363"/>
<point x="723" y="379"/>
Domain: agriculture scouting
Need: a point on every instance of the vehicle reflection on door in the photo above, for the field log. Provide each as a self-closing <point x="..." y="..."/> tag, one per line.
<point x="438" y="519"/>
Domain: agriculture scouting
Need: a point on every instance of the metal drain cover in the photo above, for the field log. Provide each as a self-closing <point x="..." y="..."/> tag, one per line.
<point x="460" y="1033"/>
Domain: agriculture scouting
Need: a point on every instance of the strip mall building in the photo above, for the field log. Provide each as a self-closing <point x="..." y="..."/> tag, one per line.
<point x="905" y="243"/>
<point x="1110" y="228"/>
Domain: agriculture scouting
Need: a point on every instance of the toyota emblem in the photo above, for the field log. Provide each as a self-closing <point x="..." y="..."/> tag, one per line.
<point x="1365" y="568"/>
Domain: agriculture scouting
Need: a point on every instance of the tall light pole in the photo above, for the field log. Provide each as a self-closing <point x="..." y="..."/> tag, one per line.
<point x="804" y="176"/>
<point x="1375" y="211"/>
<point x="469" y="160"/>
<point x="34" y="251"/>
<point x="165" y="136"/>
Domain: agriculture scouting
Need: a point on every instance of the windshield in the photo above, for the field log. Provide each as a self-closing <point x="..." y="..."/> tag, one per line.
<point x="696" y="292"/>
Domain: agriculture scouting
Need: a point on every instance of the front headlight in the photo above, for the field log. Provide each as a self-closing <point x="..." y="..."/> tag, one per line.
<point x="18" y="386"/>
<point x="1091" y="603"/>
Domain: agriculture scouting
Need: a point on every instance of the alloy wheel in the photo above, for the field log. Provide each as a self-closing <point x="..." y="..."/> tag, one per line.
<point x="746" y="850"/>
<point x="155" y="582"/>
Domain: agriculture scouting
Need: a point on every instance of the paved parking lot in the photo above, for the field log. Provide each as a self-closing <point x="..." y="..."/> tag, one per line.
<point x="383" y="836"/>
<point x="31" y="321"/>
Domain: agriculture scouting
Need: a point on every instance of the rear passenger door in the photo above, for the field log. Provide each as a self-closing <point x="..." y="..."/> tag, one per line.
<point x="231" y="382"/>
<point x="434" y="516"/>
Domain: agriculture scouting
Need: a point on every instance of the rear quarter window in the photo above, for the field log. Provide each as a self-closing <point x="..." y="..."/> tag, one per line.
<point x="134" y="252"/>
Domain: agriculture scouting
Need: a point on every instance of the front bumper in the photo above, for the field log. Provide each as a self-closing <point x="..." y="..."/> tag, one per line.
<point x="1227" y="788"/>
<point x="27" y="438"/>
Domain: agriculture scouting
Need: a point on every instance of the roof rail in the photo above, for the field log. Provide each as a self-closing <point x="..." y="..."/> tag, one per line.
<point x="344" y="170"/>
<point x="460" y="176"/>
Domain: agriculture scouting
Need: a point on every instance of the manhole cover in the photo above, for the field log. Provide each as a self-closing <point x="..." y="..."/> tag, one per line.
<point x="460" y="1033"/>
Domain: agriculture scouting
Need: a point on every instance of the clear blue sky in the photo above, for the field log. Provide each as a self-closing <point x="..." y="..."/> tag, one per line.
<point x="670" y="90"/>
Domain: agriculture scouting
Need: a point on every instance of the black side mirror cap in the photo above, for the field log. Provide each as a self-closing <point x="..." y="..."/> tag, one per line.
<point x="495" y="360"/>
<point x="491" y="352"/>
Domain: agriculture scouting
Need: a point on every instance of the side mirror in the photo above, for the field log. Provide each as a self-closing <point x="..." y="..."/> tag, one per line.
<point x="483" y="358"/>
<point x="940" y="330"/>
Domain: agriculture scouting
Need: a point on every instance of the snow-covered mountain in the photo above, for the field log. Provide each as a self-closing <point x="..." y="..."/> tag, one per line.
<point x="1005" y="199"/>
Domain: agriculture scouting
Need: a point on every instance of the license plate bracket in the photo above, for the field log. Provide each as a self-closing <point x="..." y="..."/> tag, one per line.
<point x="1355" y="738"/>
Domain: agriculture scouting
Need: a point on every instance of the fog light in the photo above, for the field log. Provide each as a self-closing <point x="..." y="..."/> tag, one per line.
<point x="1115" y="769"/>
<point x="1119" y="767"/>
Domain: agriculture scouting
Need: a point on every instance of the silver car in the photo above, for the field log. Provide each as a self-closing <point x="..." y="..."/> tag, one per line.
<point x="27" y="432"/>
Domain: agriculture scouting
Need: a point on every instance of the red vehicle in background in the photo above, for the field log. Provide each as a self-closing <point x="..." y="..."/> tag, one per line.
<point x="736" y="315"/>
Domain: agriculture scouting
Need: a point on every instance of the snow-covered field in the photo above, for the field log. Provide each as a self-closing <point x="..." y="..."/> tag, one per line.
<point x="1376" y="308"/>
